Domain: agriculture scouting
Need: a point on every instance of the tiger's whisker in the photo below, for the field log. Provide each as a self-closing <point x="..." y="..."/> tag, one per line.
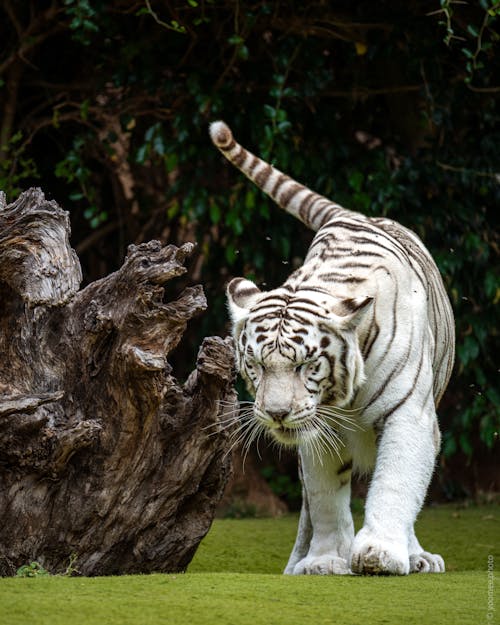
<point x="227" y="423"/>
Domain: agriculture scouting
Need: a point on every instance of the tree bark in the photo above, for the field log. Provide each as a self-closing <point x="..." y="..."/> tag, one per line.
<point x="104" y="457"/>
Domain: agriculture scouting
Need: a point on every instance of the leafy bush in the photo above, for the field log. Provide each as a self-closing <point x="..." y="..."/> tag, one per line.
<point x="33" y="569"/>
<point x="388" y="108"/>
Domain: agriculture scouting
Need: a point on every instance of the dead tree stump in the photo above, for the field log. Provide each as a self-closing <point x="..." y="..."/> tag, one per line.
<point x="103" y="455"/>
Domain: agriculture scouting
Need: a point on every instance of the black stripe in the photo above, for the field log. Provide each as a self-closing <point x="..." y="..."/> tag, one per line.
<point x="323" y="204"/>
<point x="366" y="241"/>
<point x="353" y="265"/>
<point x="283" y="345"/>
<point x="376" y="231"/>
<point x="332" y="276"/>
<point x="299" y="318"/>
<point x="285" y="197"/>
<point x="253" y="164"/>
<point x="282" y="178"/>
<point x="291" y="309"/>
<point x="404" y="399"/>
<point x="345" y="372"/>
<point x="303" y="300"/>
<point x="327" y="217"/>
<point x="239" y="158"/>
<point x="347" y="466"/>
<point x="305" y="206"/>
<point x="325" y="341"/>
<point x="263" y="176"/>
<point x="310" y="351"/>
<point x="266" y="317"/>
<point x="369" y="342"/>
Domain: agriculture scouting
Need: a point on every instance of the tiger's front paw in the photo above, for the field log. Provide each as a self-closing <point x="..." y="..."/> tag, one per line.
<point x="322" y="565"/>
<point x="371" y="555"/>
<point x="426" y="562"/>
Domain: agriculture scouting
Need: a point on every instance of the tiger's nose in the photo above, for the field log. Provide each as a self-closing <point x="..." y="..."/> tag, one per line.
<point x="278" y="415"/>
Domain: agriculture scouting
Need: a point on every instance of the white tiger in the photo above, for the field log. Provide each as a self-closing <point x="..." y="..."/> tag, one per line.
<point x="347" y="360"/>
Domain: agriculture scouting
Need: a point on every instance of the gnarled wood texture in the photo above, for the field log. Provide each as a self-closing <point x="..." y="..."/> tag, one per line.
<point x="102" y="453"/>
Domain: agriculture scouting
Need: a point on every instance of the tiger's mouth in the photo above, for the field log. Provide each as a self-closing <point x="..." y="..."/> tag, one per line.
<point x="284" y="435"/>
<point x="292" y="436"/>
<point x="320" y="432"/>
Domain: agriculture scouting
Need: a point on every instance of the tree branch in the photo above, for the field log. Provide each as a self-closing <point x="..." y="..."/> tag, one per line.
<point x="9" y="9"/>
<point x="465" y="170"/>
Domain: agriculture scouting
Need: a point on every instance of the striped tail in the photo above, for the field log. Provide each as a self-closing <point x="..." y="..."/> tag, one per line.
<point x="313" y="209"/>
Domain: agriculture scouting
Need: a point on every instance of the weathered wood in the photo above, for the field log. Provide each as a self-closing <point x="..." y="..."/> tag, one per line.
<point x="102" y="453"/>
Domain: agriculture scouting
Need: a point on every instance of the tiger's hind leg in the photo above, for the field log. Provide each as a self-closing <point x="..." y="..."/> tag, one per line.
<point x="422" y="561"/>
<point x="304" y="531"/>
<point x="303" y="540"/>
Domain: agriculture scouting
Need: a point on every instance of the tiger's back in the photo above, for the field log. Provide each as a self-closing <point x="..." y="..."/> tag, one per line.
<point x="353" y="256"/>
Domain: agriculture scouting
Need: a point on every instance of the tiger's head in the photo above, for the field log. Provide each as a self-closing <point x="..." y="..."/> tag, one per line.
<point x="297" y="351"/>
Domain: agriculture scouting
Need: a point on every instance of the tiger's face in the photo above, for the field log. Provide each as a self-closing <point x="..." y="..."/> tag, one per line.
<point x="297" y="352"/>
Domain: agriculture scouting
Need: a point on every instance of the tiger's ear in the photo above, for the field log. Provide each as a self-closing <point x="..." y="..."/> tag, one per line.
<point x="241" y="296"/>
<point x="352" y="311"/>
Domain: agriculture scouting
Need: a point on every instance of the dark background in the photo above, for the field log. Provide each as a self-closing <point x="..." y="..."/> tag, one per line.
<point x="388" y="107"/>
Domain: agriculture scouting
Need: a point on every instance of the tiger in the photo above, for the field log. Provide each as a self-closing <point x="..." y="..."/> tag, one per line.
<point x="347" y="362"/>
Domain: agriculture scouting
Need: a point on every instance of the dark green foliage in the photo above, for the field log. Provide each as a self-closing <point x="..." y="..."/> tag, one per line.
<point x="33" y="569"/>
<point x="389" y="108"/>
<point x="284" y="486"/>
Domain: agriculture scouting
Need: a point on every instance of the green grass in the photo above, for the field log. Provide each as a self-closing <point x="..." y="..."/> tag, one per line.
<point x="235" y="579"/>
<point x="464" y="537"/>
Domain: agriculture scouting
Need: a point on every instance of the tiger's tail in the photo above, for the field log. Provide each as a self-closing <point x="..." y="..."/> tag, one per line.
<point x="310" y="207"/>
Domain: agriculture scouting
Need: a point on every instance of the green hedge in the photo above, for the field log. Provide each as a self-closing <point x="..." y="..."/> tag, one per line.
<point x="389" y="108"/>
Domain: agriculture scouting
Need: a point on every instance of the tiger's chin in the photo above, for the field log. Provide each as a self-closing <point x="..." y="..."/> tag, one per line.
<point x="284" y="436"/>
<point x="291" y="437"/>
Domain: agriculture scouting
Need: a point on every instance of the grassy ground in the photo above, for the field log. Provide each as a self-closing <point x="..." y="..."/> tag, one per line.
<point x="235" y="579"/>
